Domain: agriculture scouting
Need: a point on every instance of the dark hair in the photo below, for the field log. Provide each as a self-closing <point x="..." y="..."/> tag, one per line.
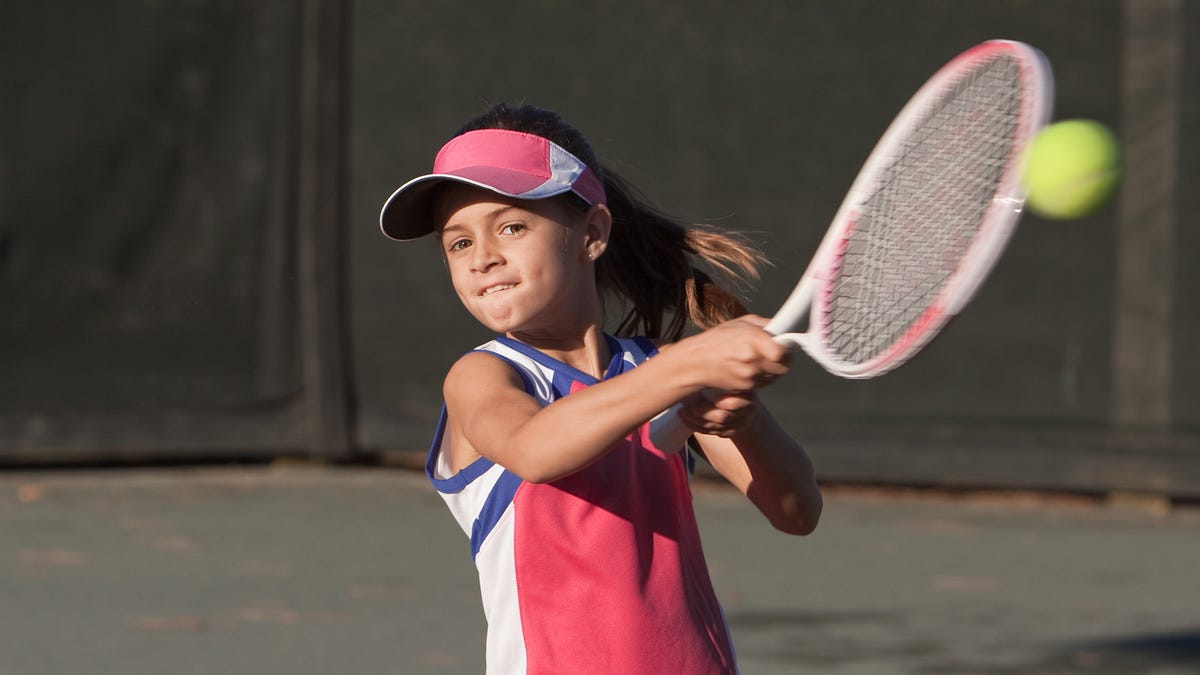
<point x="651" y="262"/>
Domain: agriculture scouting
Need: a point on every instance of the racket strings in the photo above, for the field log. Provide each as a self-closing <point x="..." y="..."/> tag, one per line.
<point x="923" y="213"/>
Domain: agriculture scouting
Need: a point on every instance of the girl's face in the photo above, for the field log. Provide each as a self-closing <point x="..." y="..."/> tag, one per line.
<point x="520" y="266"/>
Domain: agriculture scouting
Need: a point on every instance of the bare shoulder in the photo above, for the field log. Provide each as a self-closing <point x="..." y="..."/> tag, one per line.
<point x="483" y="388"/>
<point x="477" y="371"/>
<point x="486" y="402"/>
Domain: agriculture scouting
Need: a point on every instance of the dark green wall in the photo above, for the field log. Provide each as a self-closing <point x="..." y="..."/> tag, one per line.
<point x="154" y="258"/>
<point x="755" y="117"/>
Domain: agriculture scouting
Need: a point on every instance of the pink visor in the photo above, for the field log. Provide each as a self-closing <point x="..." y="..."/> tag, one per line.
<point x="510" y="163"/>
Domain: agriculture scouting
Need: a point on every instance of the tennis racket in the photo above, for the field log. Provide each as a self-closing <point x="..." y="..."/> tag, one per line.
<point x="923" y="224"/>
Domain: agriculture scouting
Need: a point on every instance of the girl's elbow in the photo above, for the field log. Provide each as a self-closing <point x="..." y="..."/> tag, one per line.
<point x="799" y="514"/>
<point x="800" y="527"/>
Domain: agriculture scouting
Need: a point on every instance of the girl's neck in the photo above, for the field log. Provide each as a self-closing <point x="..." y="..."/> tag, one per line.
<point x="585" y="350"/>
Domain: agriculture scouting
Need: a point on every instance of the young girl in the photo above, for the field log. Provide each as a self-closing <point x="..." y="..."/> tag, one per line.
<point x="582" y="531"/>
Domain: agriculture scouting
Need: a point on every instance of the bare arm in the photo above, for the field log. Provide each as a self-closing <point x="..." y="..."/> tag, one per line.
<point x="490" y="414"/>
<point x="770" y="468"/>
<point x="748" y="446"/>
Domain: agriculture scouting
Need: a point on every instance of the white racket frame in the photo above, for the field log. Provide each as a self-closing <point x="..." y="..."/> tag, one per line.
<point x="808" y="299"/>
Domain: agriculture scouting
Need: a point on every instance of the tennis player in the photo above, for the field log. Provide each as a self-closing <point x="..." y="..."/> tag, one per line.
<point x="582" y="531"/>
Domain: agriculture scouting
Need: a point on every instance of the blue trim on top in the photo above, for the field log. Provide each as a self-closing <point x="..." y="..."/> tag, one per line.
<point x="502" y="493"/>
<point x="493" y="509"/>
<point x="647" y="345"/>
<point x="460" y="480"/>
<point x="475" y="469"/>
<point x="547" y="361"/>
<point x="561" y="383"/>
<point x="615" y="348"/>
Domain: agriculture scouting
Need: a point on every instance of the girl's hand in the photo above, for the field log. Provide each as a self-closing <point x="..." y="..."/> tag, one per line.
<point x="735" y="356"/>
<point x="718" y="414"/>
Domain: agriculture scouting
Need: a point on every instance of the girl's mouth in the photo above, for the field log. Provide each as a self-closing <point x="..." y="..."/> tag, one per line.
<point x="496" y="289"/>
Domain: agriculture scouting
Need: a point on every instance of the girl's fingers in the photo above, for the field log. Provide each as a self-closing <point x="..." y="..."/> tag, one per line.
<point x="738" y="355"/>
<point x="733" y="402"/>
<point x="719" y="415"/>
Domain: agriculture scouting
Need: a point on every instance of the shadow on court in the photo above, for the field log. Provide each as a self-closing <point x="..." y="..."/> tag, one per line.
<point x="1155" y="653"/>
<point x="298" y="569"/>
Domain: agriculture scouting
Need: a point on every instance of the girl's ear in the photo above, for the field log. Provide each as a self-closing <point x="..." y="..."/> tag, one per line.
<point x="597" y="226"/>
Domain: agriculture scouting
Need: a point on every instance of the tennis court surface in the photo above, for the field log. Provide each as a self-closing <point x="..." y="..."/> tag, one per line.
<point x="311" y="569"/>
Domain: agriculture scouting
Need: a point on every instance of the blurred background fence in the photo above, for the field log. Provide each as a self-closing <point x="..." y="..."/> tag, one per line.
<point x="190" y="266"/>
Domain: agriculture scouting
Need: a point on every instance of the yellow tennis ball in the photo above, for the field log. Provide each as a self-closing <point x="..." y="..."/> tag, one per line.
<point x="1071" y="169"/>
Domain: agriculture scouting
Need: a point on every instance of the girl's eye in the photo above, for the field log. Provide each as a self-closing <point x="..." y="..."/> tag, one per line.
<point x="512" y="228"/>
<point x="458" y="245"/>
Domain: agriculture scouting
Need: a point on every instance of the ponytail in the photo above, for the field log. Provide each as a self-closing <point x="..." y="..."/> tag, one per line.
<point x="657" y="265"/>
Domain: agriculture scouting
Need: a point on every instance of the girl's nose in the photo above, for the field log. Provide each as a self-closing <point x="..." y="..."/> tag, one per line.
<point x="486" y="256"/>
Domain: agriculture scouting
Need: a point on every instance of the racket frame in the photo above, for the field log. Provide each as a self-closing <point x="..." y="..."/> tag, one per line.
<point x="810" y="296"/>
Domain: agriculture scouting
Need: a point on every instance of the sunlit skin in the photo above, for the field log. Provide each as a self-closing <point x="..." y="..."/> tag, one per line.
<point x="527" y="269"/>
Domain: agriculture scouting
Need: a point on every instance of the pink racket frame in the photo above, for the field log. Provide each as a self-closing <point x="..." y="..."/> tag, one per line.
<point x="811" y="295"/>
